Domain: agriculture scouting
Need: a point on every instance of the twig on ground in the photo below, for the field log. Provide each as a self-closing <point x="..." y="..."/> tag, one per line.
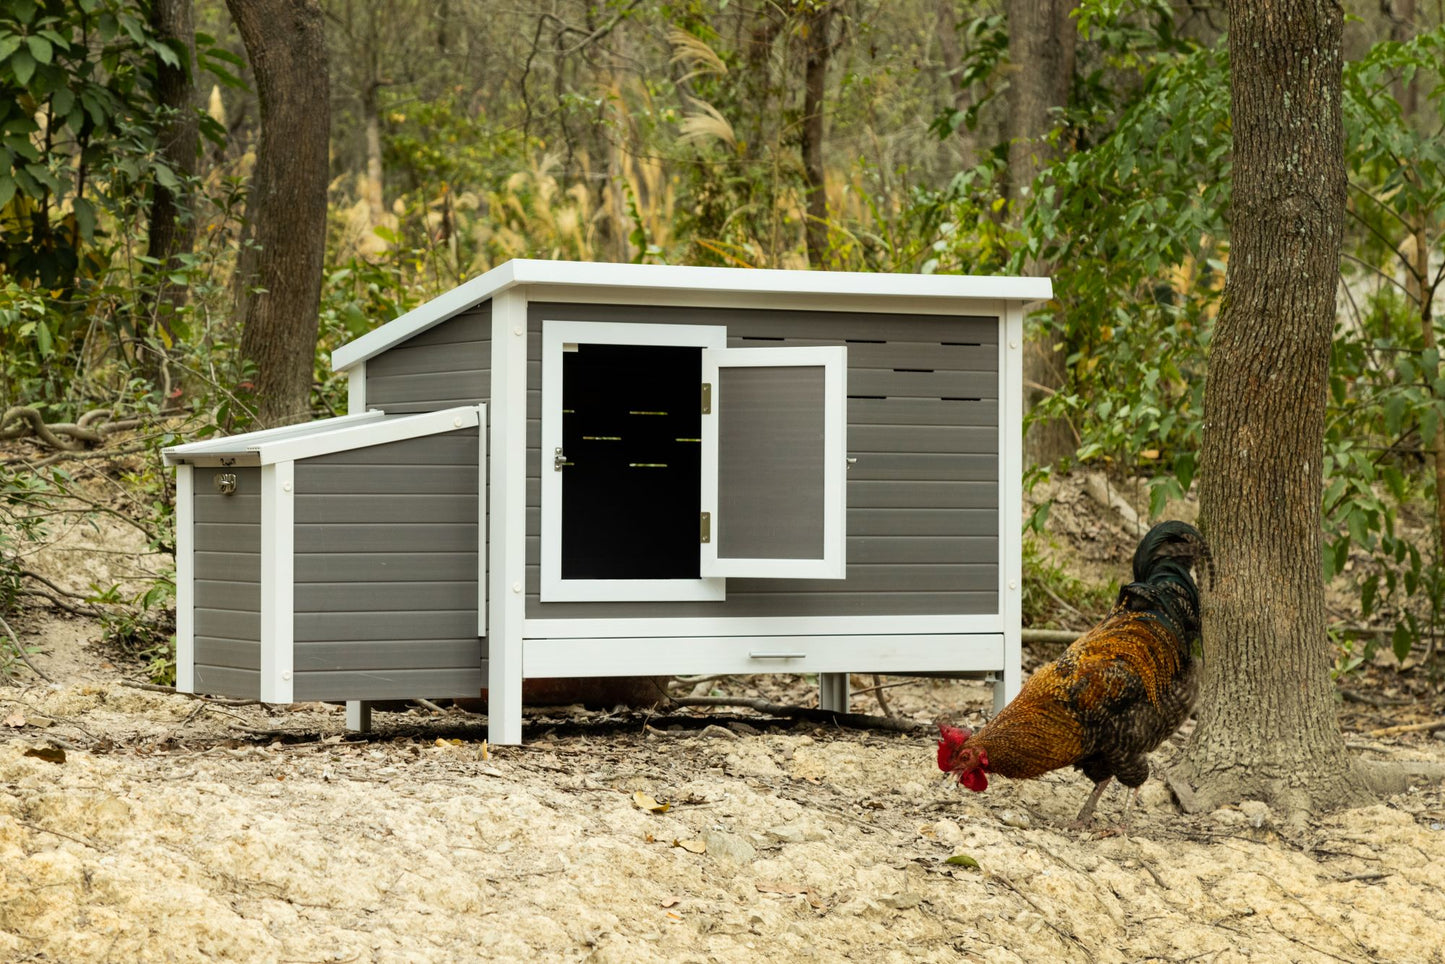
<point x="427" y="704"/>
<point x="1063" y="932"/>
<point x="859" y="721"/>
<point x="20" y="650"/>
<point x="162" y="688"/>
<point x="1407" y="728"/>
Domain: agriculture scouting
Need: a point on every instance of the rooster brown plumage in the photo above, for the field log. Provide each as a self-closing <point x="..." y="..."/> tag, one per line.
<point x="1115" y="694"/>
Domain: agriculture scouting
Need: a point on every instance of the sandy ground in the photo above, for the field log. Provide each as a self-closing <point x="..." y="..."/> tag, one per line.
<point x="144" y="826"/>
<point x="182" y="830"/>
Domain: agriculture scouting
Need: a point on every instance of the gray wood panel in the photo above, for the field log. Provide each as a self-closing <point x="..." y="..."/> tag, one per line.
<point x="395" y="684"/>
<point x="371" y="596"/>
<point x="923" y="423"/>
<point x="243" y="597"/>
<point x="229" y="566"/>
<point x="233" y="653"/>
<point x="343" y="627"/>
<point x="345" y="509"/>
<point x="905" y="466"/>
<point x="228" y="624"/>
<point x="386" y="571"/>
<point x="242" y="508"/>
<point x="386" y="566"/>
<point x="922" y="411"/>
<point x="892" y="383"/>
<point x="385" y="537"/>
<point x="447" y="365"/>
<point x="770" y="463"/>
<point x="227" y="681"/>
<point x="229" y="537"/>
<point x="387" y="654"/>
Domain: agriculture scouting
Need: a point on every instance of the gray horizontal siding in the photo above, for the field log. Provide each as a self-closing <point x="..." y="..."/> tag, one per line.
<point x="226" y="681"/>
<point x="395" y="684"/>
<point x="227" y="584"/>
<point x="386" y="571"/>
<point x="444" y="366"/>
<point x="923" y="494"/>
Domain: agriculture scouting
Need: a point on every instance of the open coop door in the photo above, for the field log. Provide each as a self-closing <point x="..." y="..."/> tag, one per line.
<point x="774" y="428"/>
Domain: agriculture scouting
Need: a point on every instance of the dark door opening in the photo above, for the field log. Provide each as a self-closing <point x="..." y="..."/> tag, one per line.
<point x="631" y="427"/>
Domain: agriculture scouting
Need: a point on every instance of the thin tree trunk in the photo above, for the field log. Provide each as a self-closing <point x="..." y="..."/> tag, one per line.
<point x="1042" y="39"/>
<point x="1267" y="721"/>
<point x="818" y="28"/>
<point x="279" y="275"/>
<point x="172" y="226"/>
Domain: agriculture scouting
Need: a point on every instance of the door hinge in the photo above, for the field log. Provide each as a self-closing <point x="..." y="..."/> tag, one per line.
<point x="707" y="398"/>
<point x="706" y="529"/>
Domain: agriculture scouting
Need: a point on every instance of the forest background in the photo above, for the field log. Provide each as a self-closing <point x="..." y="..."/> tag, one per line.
<point x="1090" y="142"/>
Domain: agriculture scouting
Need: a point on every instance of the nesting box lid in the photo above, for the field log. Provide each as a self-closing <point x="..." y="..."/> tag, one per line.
<point x="310" y="439"/>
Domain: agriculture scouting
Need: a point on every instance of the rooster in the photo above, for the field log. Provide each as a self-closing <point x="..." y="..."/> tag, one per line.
<point x="1115" y="694"/>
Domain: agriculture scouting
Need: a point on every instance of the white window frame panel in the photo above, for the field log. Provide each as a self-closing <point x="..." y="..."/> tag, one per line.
<point x="834" y="362"/>
<point x="556" y="333"/>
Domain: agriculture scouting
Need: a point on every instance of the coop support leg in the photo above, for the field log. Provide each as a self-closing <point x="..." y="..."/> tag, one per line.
<point x="507" y="492"/>
<point x="358" y="716"/>
<point x="833" y="692"/>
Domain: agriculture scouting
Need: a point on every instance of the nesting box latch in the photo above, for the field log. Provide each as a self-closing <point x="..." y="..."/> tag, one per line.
<point x="558" y="460"/>
<point x="226" y="483"/>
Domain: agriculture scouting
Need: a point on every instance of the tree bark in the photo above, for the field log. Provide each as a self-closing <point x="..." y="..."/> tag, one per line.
<point x="1042" y="39"/>
<point x="818" y="30"/>
<point x="171" y="230"/>
<point x="1267" y="725"/>
<point x="279" y="274"/>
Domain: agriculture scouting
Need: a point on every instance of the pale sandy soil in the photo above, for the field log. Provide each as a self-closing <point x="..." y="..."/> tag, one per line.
<point x="183" y="830"/>
<point x="174" y="830"/>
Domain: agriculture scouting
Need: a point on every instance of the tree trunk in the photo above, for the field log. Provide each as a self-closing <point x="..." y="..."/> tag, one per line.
<point x="1267" y="725"/>
<point x="171" y="231"/>
<point x="1041" y="41"/>
<point x="818" y="28"/>
<point x="279" y="275"/>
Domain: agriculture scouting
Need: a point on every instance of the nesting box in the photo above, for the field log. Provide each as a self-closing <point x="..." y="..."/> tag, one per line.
<point x="686" y="471"/>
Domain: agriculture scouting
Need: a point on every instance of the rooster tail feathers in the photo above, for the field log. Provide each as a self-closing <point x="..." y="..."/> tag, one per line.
<point x="1171" y="547"/>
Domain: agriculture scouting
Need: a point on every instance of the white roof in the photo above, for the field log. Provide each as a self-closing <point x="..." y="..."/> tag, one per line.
<point x="657" y="278"/>
<point x="321" y="437"/>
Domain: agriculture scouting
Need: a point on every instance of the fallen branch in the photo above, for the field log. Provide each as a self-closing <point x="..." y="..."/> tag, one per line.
<point x="90" y="429"/>
<point x="20" y="650"/>
<point x="859" y="721"/>
<point x="1408" y="728"/>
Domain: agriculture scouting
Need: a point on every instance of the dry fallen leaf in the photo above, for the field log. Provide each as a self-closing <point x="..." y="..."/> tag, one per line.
<point x="691" y="846"/>
<point x="963" y="860"/>
<point x="51" y="754"/>
<point x="15" y="719"/>
<point x="645" y="801"/>
<point x="671" y="901"/>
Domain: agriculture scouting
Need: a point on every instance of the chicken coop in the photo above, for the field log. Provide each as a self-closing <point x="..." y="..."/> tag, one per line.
<point x="567" y="469"/>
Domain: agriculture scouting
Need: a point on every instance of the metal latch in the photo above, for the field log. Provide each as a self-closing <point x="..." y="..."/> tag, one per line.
<point x="226" y="483"/>
<point x="558" y="460"/>
<point x="706" y="400"/>
<point x="706" y="531"/>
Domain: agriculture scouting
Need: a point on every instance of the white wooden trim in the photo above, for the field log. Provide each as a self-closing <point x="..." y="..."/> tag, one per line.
<point x="249" y="443"/>
<point x="278" y="534"/>
<point x="356" y="389"/>
<point x="834" y="362"/>
<point x="647" y="656"/>
<point x="507" y="546"/>
<point x="555" y="334"/>
<point x="185" y="580"/>
<point x="373" y="432"/>
<point x="639" y="627"/>
<point x="1010" y="501"/>
<point x="482" y="519"/>
<point x="662" y="284"/>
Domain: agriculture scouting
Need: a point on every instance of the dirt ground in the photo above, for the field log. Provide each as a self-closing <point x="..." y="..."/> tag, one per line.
<point x="144" y="826"/>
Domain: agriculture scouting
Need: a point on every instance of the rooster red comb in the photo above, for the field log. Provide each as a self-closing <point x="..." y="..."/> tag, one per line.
<point x="953" y="737"/>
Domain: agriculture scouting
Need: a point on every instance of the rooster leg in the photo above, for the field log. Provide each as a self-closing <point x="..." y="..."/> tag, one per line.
<point x="1087" y="813"/>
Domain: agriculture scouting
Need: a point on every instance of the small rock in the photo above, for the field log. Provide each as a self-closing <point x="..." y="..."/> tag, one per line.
<point x="1015" y="818"/>
<point x="796" y="832"/>
<point x="1256" y="812"/>
<point x="728" y="847"/>
<point x="719" y="732"/>
<point x="904" y="901"/>
<point x="1439" y="734"/>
